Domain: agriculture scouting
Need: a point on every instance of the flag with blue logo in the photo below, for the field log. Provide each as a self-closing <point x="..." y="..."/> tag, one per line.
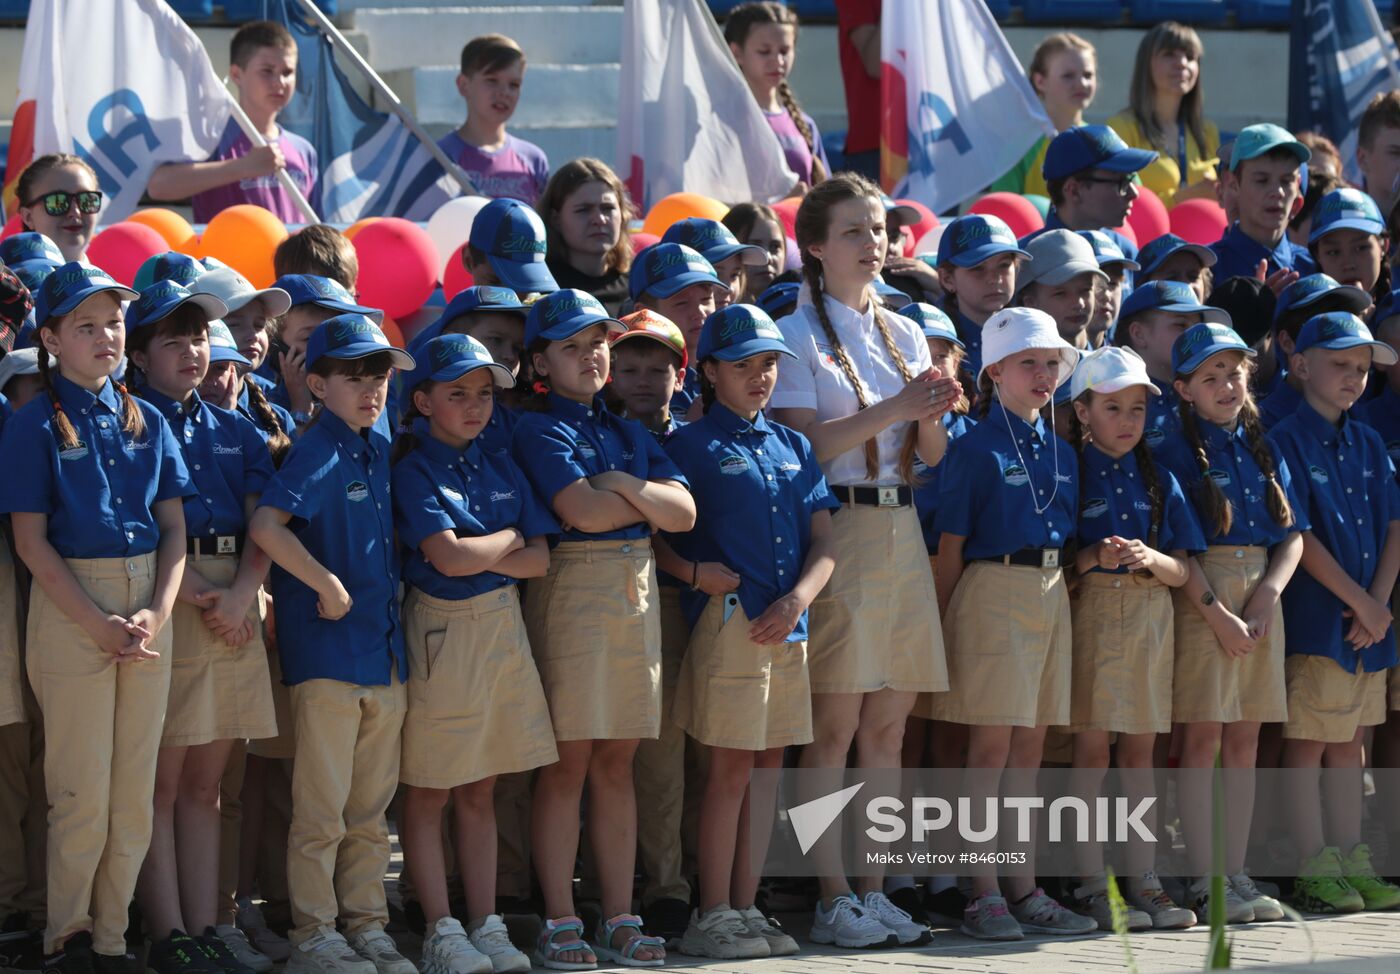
<point x="957" y="110"/>
<point x="1340" y="57"/>
<point x="371" y="164"/>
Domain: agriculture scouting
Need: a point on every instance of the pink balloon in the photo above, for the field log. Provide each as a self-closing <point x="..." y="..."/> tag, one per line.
<point x="122" y="248"/>
<point x="13" y="225"/>
<point x="787" y="212"/>
<point x="927" y="221"/>
<point x="456" y="278"/>
<point x="1148" y="217"/>
<point x="1198" y="221"/>
<point x="642" y="240"/>
<point x="1018" y="212"/>
<point x="398" y="266"/>
<point x="1127" y="230"/>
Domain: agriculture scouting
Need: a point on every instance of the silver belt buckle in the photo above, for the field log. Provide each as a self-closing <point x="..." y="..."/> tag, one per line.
<point x="888" y="496"/>
<point x="225" y="544"/>
<point x="1049" y="557"/>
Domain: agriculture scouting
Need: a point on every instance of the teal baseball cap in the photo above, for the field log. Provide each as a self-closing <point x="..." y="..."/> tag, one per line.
<point x="1255" y="140"/>
<point x="1200" y="342"/>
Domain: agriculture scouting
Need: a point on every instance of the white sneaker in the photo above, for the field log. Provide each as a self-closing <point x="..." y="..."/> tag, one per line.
<point x="910" y="932"/>
<point x="780" y="942"/>
<point x="447" y="950"/>
<point x="1091" y="900"/>
<point x="326" y="952"/>
<point x="721" y="934"/>
<point x="1147" y="895"/>
<point x="847" y="924"/>
<point x="237" y="942"/>
<point x="493" y="941"/>
<point x="379" y="949"/>
<point x="1236" y="909"/>
<point x="270" y="944"/>
<point x="1265" y="907"/>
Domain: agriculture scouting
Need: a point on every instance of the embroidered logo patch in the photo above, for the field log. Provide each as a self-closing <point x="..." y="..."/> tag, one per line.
<point x="1317" y="474"/>
<point x="733" y="465"/>
<point x="586" y="451"/>
<point x="356" y="490"/>
<point x="74" y="452"/>
<point x="789" y="465"/>
<point x="502" y="495"/>
<point x="228" y="451"/>
<point x="451" y="493"/>
<point x="1095" y="507"/>
<point x="1015" y="475"/>
<point x="1220" y="477"/>
<point x="1141" y="506"/>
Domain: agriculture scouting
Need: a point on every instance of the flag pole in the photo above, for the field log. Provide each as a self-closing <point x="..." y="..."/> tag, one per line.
<point x="345" y="47"/>
<point x="283" y="177"/>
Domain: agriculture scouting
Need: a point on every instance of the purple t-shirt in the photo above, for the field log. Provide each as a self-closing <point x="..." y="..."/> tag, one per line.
<point x="265" y="191"/>
<point x="517" y="169"/>
<point x="799" y="157"/>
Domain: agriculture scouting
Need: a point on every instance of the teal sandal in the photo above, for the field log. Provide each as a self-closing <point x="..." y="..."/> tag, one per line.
<point x="547" y="949"/>
<point x="627" y="956"/>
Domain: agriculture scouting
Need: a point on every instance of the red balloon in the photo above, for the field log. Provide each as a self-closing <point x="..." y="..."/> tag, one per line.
<point x="122" y="248"/>
<point x="1148" y="217"/>
<point x="456" y="278"/>
<point x="1127" y="230"/>
<point x="915" y="232"/>
<point x="642" y="240"/>
<point x="1019" y="213"/>
<point x="1198" y="221"/>
<point x="398" y="265"/>
<point x="787" y="212"/>
<point x="13" y="225"/>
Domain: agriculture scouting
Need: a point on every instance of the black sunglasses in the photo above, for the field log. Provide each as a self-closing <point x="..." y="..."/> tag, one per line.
<point x="59" y="201"/>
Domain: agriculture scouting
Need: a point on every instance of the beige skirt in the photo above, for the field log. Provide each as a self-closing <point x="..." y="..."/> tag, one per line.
<point x="1207" y="685"/>
<point x="1008" y="633"/>
<point x="216" y="693"/>
<point x="1328" y="704"/>
<point x="12" y="709"/>
<point x="594" y="624"/>
<point x="739" y="694"/>
<point x="475" y="704"/>
<point x="875" y="624"/>
<point x="1122" y="675"/>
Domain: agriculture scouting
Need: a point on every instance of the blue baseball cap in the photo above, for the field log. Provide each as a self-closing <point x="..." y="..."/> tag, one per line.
<point x="449" y="357"/>
<point x="1338" y="330"/>
<point x="512" y="236"/>
<point x="169" y="266"/>
<point x="1200" y="342"/>
<point x="1157" y="251"/>
<point x="34" y="272"/>
<point x="1171" y="296"/>
<point x="1346" y="209"/>
<point x="663" y="269"/>
<point x="969" y="240"/>
<point x="161" y="299"/>
<point x="1307" y="291"/>
<point x="563" y="314"/>
<point x="29" y="246"/>
<point x="779" y="298"/>
<point x="351" y="336"/>
<point x="884" y="289"/>
<point x="222" y="347"/>
<point x="1092" y="147"/>
<point x="485" y="297"/>
<point x="933" y="321"/>
<point x="324" y="293"/>
<point x="71" y="285"/>
<point x="1107" y="251"/>
<point x="737" y="332"/>
<point x="1255" y="140"/>
<point x="713" y="241"/>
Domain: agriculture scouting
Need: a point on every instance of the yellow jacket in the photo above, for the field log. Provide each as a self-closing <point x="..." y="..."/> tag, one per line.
<point x="1163" y="177"/>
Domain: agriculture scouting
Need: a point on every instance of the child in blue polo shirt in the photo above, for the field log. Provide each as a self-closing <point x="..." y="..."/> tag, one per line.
<point x="1350" y="243"/>
<point x="1170" y="258"/>
<point x="475" y="706"/>
<point x="1265" y="164"/>
<point x="1108" y="294"/>
<point x="593" y="620"/>
<point x="507" y="248"/>
<point x="649" y="365"/>
<point x="1305" y="298"/>
<point x="763" y="517"/>
<point x="220" y="690"/>
<point x="713" y="241"/>
<point x="1336" y="617"/>
<point x="94" y="493"/>
<point x="680" y="285"/>
<point x="1062" y="279"/>
<point x="1227" y="676"/>
<point x="327" y="522"/>
<point x="313" y="300"/>
<point x="978" y="260"/>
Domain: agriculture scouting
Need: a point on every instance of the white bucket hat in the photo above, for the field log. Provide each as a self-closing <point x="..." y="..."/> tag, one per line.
<point x="1013" y="330"/>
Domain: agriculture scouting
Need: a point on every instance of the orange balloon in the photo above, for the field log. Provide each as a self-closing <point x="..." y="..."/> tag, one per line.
<point x="359" y="225"/>
<point x="170" y="225"/>
<point x="392" y="331"/>
<point x="678" y="206"/>
<point x="244" y="237"/>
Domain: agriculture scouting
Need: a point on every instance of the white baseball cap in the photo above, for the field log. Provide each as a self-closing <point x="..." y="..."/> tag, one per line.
<point x="235" y="290"/>
<point x="1013" y="330"/>
<point x="1110" y="369"/>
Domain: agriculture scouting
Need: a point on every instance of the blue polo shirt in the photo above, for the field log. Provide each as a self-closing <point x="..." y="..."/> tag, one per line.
<point x="687" y="394"/>
<point x="1279" y="404"/>
<point x="971" y="334"/>
<point x="289" y="425"/>
<point x="571" y="441"/>
<point x="499" y="429"/>
<point x="1346" y="484"/>
<point x="929" y="481"/>
<point x="335" y="484"/>
<point x="1237" y="255"/>
<point x="472" y="492"/>
<point x="756" y="487"/>
<point x="98" y="495"/>
<point x="227" y="459"/>
<point x="1382" y="414"/>
<point x="1232" y="466"/>
<point x="1115" y="502"/>
<point x="994" y="478"/>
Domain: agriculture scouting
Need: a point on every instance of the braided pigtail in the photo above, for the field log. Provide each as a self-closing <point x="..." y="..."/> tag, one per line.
<point x="278" y="442"/>
<point x="1151" y="482"/>
<point x="1210" y="499"/>
<point x="908" y="450"/>
<point x="67" y="435"/>
<point x="794" y="111"/>
<point x="812" y="272"/>
<point x="1275" y="497"/>
<point x="986" y="391"/>
<point x="533" y="388"/>
<point x="132" y="420"/>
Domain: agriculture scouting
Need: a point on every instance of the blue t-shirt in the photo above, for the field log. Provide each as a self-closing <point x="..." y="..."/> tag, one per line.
<point x="756" y="486"/>
<point x="98" y="495"/>
<point x="1237" y="255"/>
<point x="1115" y="502"/>
<point x="929" y="481"/>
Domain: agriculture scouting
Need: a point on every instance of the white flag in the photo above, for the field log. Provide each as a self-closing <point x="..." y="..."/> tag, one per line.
<point x="686" y="118"/>
<point x="958" y="111"/>
<point x="125" y="84"/>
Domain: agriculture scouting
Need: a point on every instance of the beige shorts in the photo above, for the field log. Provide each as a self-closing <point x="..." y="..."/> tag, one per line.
<point x="875" y="624"/>
<point x="12" y="709"/>
<point x="736" y="693"/>
<point x="216" y="693"/>
<point x="1207" y="685"/>
<point x="475" y="705"/>
<point x="1328" y="704"/>
<point x="1122" y="655"/>
<point x="1008" y="632"/>
<point x="594" y="623"/>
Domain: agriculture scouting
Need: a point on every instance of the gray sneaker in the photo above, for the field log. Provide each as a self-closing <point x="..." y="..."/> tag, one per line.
<point x="721" y="934"/>
<point x="1091" y="900"/>
<point x="245" y="953"/>
<point x="988" y="918"/>
<point x="326" y="952"/>
<point x="1147" y="895"/>
<point x="379" y="949"/>
<point x="493" y="940"/>
<point x="1236" y="909"/>
<point x="1264" y="907"/>
<point x="1041" y="913"/>
<point x="780" y="942"/>
<point x="910" y="932"/>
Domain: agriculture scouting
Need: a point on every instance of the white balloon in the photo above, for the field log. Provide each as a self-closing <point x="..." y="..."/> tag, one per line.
<point x="451" y="225"/>
<point x="928" y="243"/>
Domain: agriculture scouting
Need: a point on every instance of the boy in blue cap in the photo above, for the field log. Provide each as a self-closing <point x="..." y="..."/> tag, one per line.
<point x="681" y="285"/>
<point x="507" y="247"/>
<point x="1091" y="176"/>
<point x="1302" y="300"/>
<point x="978" y="263"/>
<point x="1349" y="240"/>
<point x="1170" y="258"/>
<point x="1265" y="164"/>
<point x="1108" y="295"/>
<point x="713" y="241"/>
<point x="314" y="300"/>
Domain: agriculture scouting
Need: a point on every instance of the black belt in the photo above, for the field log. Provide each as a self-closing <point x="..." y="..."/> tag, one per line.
<point x="1030" y="558"/>
<point x="900" y="496"/>
<point x="214" y="544"/>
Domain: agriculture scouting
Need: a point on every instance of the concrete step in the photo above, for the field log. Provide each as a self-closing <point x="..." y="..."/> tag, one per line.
<point x="578" y="95"/>
<point x="421" y="36"/>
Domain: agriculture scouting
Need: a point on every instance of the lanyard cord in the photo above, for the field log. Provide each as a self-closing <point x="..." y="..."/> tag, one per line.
<point x="1030" y="481"/>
